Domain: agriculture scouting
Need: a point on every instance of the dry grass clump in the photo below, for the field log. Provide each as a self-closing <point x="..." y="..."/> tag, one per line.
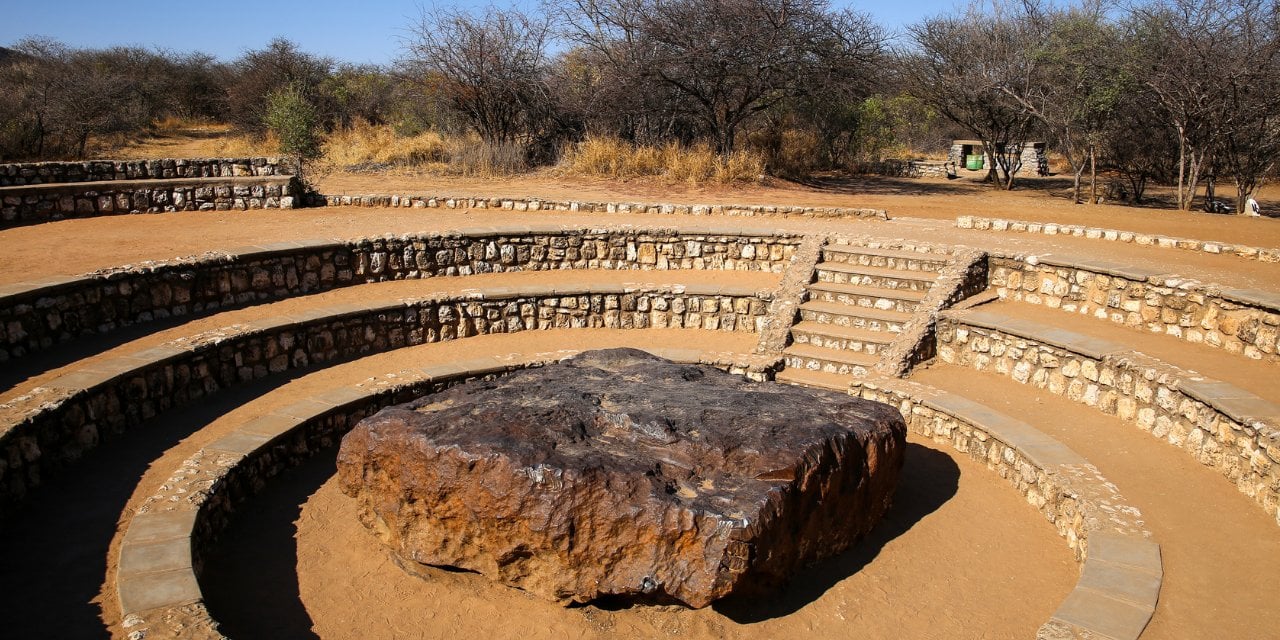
<point x="240" y="146"/>
<point x="364" y="143"/>
<point x="606" y="157"/>
<point x="367" y="145"/>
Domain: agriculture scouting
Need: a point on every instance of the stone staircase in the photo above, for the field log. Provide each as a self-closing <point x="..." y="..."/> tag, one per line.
<point x="859" y="302"/>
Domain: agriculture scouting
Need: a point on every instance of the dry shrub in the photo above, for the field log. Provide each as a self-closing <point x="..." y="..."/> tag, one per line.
<point x="797" y="155"/>
<point x="363" y="143"/>
<point x="471" y="156"/>
<point x="381" y="148"/>
<point x="604" y="157"/>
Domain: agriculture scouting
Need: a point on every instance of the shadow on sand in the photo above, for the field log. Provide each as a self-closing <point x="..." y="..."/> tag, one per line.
<point x="53" y="547"/>
<point x="259" y="548"/>
<point x="250" y="580"/>
<point x="929" y="479"/>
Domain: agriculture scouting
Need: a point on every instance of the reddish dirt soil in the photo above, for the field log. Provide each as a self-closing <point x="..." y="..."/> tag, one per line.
<point x="1039" y="199"/>
<point x="1221" y="553"/>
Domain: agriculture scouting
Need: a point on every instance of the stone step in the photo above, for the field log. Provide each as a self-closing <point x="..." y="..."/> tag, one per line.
<point x="851" y="316"/>
<point x="811" y="358"/>
<point x="904" y="300"/>
<point x="815" y="379"/>
<point x="834" y="336"/>
<point x="846" y="273"/>
<point x="886" y="258"/>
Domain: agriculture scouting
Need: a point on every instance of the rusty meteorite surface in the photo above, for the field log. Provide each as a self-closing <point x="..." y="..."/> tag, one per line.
<point x="618" y="473"/>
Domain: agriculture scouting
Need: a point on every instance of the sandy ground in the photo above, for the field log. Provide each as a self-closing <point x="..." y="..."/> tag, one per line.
<point x="1221" y="553"/>
<point x="955" y="558"/>
<point x="73" y="247"/>
<point x="1039" y="199"/>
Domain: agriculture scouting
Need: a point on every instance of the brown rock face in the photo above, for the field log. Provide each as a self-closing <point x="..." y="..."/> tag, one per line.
<point x="621" y="474"/>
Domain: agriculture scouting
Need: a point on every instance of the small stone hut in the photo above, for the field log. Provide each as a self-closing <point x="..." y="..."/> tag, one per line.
<point x="1033" y="155"/>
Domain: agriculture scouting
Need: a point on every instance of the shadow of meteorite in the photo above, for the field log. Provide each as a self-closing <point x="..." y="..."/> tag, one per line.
<point x="929" y="479"/>
<point x="250" y="579"/>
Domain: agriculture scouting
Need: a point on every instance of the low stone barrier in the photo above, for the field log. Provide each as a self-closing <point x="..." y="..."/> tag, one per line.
<point x="1121" y="568"/>
<point x="1117" y="235"/>
<point x="30" y="173"/>
<point x="161" y="556"/>
<point x="40" y="313"/>
<point x="1221" y="426"/>
<point x="1243" y="321"/>
<point x="580" y="206"/>
<point x="59" y="422"/>
<point x="47" y="203"/>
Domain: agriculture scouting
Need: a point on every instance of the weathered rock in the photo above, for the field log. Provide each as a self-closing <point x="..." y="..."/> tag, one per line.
<point x="621" y="474"/>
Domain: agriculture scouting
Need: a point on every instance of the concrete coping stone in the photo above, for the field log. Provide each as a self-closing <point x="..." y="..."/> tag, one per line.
<point x="1096" y="348"/>
<point x="1044" y="451"/>
<point x="1120" y="235"/>
<point x="145" y="183"/>
<point x="1129" y="271"/>
<point x="156" y="526"/>
<point x="551" y="204"/>
<point x="147" y="591"/>
<point x="151" y="557"/>
<point x="1267" y="300"/>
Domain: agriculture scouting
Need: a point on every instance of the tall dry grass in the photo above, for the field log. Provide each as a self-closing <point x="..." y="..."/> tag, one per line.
<point x="607" y="157"/>
<point x="240" y="146"/>
<point x="365" y="145"/>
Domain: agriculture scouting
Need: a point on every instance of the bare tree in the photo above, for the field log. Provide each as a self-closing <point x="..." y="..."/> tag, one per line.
<point x="1192" y="54"/>
<point x="979" y="71"/>
<point x="728" y="60"/>
<point x="491" y="68"/>
<point x="1077" y="83"/>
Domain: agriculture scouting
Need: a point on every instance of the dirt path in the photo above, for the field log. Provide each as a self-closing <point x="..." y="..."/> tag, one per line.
<point x="935" y="198"/>
<point x="1221" y="553"/>
<point x="74" y="247"/>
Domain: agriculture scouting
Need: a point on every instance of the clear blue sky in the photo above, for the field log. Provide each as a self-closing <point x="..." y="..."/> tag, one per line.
<point x="346" y="30"/>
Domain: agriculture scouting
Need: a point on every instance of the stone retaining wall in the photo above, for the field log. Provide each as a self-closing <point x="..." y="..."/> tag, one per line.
<point x="29" y="173"/>
<point x="1116" y="235"/>
<point x="1222" y="427"/>
<point x="542" y="204"/>
<point x="36" y="315"/>
<point x="31" y="205"/>
<point x="66" y="417"/>
<point x="898" y="168"/>
<point x="1239" y="321"/>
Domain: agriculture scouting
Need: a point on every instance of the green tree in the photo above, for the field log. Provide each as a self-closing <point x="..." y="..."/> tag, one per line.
<point x="294" y="120"/>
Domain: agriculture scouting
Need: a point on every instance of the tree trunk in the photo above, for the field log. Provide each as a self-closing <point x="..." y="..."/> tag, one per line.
<point x="1093" y="176"/>
<point x="1182" y="166"/>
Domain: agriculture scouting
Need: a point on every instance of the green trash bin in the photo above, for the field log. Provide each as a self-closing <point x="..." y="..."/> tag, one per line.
<point x="973" y="162"/>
